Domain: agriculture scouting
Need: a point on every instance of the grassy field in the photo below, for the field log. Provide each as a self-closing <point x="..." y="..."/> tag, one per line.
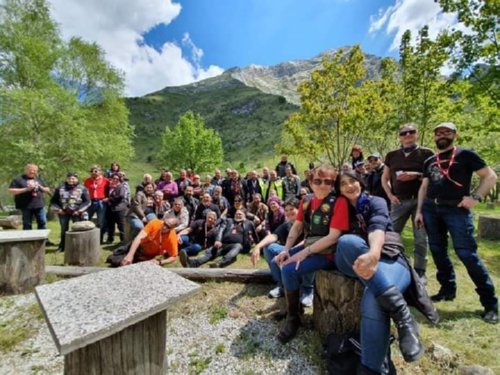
<point x="461" y="329"/>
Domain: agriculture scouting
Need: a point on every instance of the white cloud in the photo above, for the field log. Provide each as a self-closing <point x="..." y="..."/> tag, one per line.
<point x="411" y="15"/>
<point x="118" y="25"/>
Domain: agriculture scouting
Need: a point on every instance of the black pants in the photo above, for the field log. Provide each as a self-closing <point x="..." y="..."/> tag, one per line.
<point x="118" y="218"/>
<point x="229" y="252"/>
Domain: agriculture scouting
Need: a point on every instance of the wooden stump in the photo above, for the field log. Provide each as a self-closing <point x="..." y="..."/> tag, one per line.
<point x="128" y="231"/>
<point x="489" y="227"/>
<point x="11" y="222"/>
<point x="336" y="303"/>
<point x="22" y="260"/>
<point x="82" y="248"/>
<point x="142" y="349"/>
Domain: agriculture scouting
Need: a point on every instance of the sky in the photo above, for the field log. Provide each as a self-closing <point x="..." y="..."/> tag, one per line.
<point x="159" y="43"/>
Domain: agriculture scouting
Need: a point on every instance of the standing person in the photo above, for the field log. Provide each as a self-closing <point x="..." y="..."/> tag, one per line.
<point x="444" y="205"/>
<point x="182" y="182"/>
<point x="401" y="180"/>
<point x="168" y="186"/>
<point x="281" y="166"/>
<point x="116" y="207"/>
<point x="217" y="179"/>
<point x="69" y="202"/>
<point x="356" y="155"/>
<point x="28" y="190"/>
<point x="374" y="178"/>
<point x="321" y="218"/>
<point x="253" y="186"/>
<point x="291" y="185"/>
<point x="97" y="186"/>
<point x="274" y="184"/>
<point x="113" y="168"/>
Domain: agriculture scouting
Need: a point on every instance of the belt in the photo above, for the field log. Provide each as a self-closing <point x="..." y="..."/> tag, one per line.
<point x="445" y="202"/>
<point x="407" y="197"/>
<point x="96" y="200"/>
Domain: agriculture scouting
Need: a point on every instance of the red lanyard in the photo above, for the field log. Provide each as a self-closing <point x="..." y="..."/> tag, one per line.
<point x="446" y="172"/>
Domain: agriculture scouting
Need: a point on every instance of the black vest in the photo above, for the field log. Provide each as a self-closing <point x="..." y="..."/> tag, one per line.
<point x="317" y="223"/>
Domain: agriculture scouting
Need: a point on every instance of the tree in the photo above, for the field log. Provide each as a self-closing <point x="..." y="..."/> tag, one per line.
<point x="191" y="145"/>
<point x="60" y="103"/>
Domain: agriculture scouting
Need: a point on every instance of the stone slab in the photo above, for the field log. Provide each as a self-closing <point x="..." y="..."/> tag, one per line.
<point x="24" y="235"/>
<point x="86" y="309"/>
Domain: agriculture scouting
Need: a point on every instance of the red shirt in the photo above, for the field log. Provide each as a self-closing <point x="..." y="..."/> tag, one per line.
<point x="340" y="217"/>
<point x="97" y="187"/>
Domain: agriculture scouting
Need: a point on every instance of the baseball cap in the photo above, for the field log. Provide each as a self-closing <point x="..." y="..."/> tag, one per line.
<point x="72" y="174"/>
<point x="407" y="127"/>
<point x="359" y="163"/>
<point x="376" y="155"/>
<point x="447" y="125"/>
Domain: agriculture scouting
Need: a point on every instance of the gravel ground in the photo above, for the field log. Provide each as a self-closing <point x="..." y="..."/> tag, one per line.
<point x="200" y="342"/>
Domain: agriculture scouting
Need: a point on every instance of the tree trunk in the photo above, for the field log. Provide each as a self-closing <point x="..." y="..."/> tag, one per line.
<point x="489" y="227"/>
<point x="10" y="222"/>
<point x="82" y="248"/>
<point x="138" y="349"/>
<point x="337" y="301"/>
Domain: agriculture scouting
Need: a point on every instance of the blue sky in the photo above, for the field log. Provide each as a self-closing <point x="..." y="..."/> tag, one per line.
<point x="159" y="43"/>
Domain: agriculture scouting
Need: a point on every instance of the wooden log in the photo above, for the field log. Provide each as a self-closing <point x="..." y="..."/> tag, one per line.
<point x="194" y="274"/>
<point x="22" y="260"/>
<point x="82" y="248"/>
<point x="143" y="342"/>
<point x="337" y="301"/>
<point x="128" y="231"/>
<point x="11" y="222"/>
<point x="489" y="227"/>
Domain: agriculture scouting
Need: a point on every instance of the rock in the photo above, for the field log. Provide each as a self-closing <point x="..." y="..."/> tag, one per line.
<point x="475" y="370"/>
<point x="441" y="353"/>
<point x="81" y="226"/>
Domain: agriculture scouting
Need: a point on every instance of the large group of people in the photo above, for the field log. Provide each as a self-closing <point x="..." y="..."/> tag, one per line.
<point x="328" y="220"/>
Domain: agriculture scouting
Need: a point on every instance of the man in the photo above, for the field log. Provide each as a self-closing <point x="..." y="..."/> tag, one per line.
<point x="158" y="238"/>
<point x="281" y="166"/>
<point x="180" y="213"/>
<point x="220" y="201"/>
<point x="233" y="186"/>
<point x="272" y="245"/>
<point x="253" y="186"/>
<point x="233" y="237"/>
<point x="205" y="206"/>
<point x="217" y="179"/>
<point x="291" y="185"/>
<point x="190" y="202"/>
<point x="200" y="235"/>
<point x="265" y="174"/>
<point x="401" y="180"/>
<point x="182" y="182"/>
<point x="444" y="204"/>
<point x="374" y="178"/>
<point x="28" y="190"/>
<point x="97" y="186"/>
<point x="69" y="202"/>
<point x="275" y="184"/>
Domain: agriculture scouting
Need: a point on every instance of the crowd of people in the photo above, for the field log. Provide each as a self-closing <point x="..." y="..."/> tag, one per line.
<point x="328" y="220"/>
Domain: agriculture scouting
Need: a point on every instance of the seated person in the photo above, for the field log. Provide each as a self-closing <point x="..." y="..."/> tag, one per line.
<point x="233" y="237"/>
<point x="179" y="212"/>
<point x="221" y="201"/>
<point x="160" y="205"/>
<point x="199" y="235"/>
<point x="168" y="186"/>
<point x="140" y="211"/>
<point x="158" y="238"/>
<point x="205" y="206"/>
<point x="238" y="204"/>
<point x="190" y="202"/>
<point x="257" y="212"/>
<point x="275" y="216"/>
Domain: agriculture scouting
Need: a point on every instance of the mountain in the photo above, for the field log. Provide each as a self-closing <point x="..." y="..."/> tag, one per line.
<point x="247" y="106"/>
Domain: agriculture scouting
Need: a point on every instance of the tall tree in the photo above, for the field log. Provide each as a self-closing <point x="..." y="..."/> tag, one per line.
<point x="60" y="104"/>
<point x="191" y="145"/>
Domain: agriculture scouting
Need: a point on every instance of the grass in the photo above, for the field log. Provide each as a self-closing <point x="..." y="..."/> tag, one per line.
<point x="17" y="329"/>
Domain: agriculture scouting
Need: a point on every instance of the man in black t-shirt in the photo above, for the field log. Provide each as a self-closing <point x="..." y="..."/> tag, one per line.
<point x="401" y="180"/>
<point x="28" y="190"/>
<point x="444" y="204"/>
<point x="198" y="236"/>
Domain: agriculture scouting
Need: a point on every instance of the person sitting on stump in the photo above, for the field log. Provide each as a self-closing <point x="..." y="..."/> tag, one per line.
<point x="233" y="237"/>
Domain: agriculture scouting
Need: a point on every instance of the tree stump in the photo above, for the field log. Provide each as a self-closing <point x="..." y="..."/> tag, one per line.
<point x="488" y="227"/>
<point x="82" y="248"/>
<point x="337" y="301"/>
<point x="10" y="222"/>
<point x="22" y="260"/>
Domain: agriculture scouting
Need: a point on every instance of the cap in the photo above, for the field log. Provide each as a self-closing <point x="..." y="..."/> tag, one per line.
<point x="374" y="156"/>
<point x="72" y="174"/>
<point x="359" y="163"/>
<point x="408" y="126"/>
<point x="196" y="176"/>
<point x="447" y="125"/>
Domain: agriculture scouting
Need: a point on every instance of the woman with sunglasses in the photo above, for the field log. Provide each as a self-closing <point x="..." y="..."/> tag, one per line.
<point x="321" y="219"/>
<point x="359" y="254"/>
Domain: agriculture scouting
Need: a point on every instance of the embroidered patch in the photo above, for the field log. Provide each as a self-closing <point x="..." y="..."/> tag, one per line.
<point x="316" y="219"/>
<point x="325" y="221"/>
<point x="325" y="207"/>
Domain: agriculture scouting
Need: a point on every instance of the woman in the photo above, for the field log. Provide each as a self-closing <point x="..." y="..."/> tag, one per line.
<point x="116" y="208"/>
<point x="359" y="254"/>
<point x="321" y="218"/>
<point x="356" y="155"/>
<point x="160" y="206"/>
<point x="238" y="204"/>
<point x="275" y="216"/>
<point x="113" y="168"/>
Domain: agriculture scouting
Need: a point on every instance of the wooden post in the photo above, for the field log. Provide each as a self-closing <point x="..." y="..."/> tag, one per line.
<point x="82" y="248"/>
<point x="488" y="227"/>
<point x="337" y="301"/>
<point x="101" y="326"/>
<point x="22" y="260"/>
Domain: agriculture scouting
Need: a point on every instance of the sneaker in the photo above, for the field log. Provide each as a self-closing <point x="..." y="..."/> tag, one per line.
<point x="490" y="316"/>
<point x="307" y="300"/>
<point x="184" y="259"/>
<point x="275" y="293"/>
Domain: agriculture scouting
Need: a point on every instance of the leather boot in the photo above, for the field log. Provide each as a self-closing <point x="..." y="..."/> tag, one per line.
<point x="362" y="370"/>
<point x="393" y="301"/>
<point x="292" y="323"/>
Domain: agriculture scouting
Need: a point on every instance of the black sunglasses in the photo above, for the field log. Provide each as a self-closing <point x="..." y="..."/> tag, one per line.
<point x="406" y="132"/>
<point x="326" y="181"/>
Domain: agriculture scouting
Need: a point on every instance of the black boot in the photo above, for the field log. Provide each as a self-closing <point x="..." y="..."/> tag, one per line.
<point x="362" y="370"/>
<point x="292" y="323"/>
<point x="393" y="301"/>
<point x="444" y="294"/>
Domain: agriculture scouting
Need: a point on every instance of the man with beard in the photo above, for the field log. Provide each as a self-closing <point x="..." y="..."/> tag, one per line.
<point x="205" y="206"/>
<point x="200" y="235"/>
<point x="221" y="201"/>
<point x="233" y="237"/>
<point x="401" y="180"/>
<point x="190" y="202"/>
<point x="444" y="204"/>
<point x="69" y="202"/>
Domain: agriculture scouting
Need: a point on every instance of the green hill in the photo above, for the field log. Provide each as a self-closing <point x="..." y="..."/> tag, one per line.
<point x="248" y="120"/>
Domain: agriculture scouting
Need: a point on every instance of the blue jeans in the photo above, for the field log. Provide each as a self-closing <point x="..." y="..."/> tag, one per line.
<point x="40" y="216"/>
<point x="375" y="321"/>
<point x="439" y="220"/>
<point x="136" y="224"/>
<point x="98" y="208"/>
<point x="306" y="281"/>
<point x="292" y="278"/>
<point x="191" y="248"/>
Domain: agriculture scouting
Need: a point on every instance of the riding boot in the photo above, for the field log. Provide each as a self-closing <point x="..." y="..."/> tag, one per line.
<point x="393" y="301"/>
<point x="292" y="323"/>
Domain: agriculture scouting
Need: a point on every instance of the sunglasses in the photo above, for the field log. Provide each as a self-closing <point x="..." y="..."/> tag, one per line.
<point x="443" y="132"/>
<point x="319" y="181"/>
<point x="403" y="133"/>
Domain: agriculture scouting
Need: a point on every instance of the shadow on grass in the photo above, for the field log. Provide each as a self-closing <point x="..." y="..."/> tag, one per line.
<point x="454" y="316"/>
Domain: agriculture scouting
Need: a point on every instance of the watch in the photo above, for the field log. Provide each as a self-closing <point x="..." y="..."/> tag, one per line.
<point x="476" y="197"/>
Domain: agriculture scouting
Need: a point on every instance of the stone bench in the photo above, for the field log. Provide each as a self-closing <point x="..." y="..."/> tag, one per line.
<point x="488" y="227"/>
<point x="113" y="322"/>
<point x="337" y="301"/>
<point x="22" y="260"/>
